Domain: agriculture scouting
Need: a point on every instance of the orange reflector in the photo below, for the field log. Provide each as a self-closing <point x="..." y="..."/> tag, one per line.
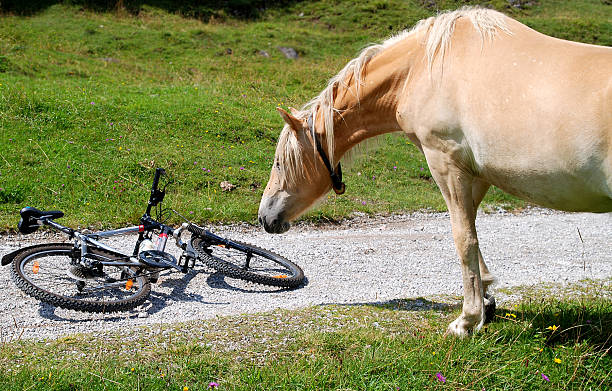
<point x="129" y="284"/>
<point x="281" y="276"/>
<point x="221" y="245"/>
<point x="35" y="267"/>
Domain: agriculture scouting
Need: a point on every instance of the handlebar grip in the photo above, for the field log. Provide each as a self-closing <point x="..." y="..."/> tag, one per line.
<point x="158" y="173"/>
<point x="194" y="229"/>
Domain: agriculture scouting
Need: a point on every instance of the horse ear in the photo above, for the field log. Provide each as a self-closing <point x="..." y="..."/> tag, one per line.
<point x="293" y="122"/>
<point x="294" y="111"/>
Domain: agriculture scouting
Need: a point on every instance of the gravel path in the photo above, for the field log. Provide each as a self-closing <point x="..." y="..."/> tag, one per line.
<point x="364" y="260"/>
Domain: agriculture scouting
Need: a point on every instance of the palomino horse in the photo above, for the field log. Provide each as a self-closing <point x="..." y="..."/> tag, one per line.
<point x="487" y="100"/>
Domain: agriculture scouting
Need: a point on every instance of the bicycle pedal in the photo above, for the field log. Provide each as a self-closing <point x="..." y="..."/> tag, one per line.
<point x="154" y="277"/>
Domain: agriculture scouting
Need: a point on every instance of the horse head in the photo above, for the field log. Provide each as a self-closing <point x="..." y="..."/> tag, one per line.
<point x="300" y="176"/>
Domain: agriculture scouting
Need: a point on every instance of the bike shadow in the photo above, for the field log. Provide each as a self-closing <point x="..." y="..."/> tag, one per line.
<point x="49" y="312"/>
<point x="155" y="302"/>
<point x="218" y="280"/>
<point x="158" y="300"/>
<point x="215" y="280"/>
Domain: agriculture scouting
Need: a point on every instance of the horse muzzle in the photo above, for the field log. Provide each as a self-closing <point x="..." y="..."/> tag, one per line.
<point x="272" y="217"/>
<point x="275" y="226"/>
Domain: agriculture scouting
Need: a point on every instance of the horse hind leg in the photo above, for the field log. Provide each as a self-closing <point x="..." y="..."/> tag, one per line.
<point x="479" y="190"/>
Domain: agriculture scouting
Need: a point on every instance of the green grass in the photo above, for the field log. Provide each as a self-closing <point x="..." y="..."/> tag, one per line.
<point x="390" y="346"/>
<point x="91" y="102"/>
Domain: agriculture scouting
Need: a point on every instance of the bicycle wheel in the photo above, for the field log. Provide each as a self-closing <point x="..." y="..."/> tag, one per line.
<point x="263" y="266"/>
<point x="47" y="273"/>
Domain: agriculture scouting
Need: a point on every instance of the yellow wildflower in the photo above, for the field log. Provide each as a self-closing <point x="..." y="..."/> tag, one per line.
<point x="552" y="328"/>
<point x="558" y="360"/>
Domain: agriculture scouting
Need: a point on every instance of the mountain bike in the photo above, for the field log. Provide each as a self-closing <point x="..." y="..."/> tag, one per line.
<point x="88" y="275"/>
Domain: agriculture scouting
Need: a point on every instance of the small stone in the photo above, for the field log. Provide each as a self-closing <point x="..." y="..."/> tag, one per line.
<point x="263" y="53"/>
<point x="521" y="3"/>
<point x="143" y="315"/>
<point x="288" y="52"/>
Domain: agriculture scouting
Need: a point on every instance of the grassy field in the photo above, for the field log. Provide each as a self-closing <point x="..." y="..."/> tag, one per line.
<point x="91" y="101"/>
<point x="554" y="338"/>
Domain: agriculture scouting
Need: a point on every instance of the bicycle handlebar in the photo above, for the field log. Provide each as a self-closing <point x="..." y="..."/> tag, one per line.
<point x="157" y="195"/>
<point x="158" y="173"/>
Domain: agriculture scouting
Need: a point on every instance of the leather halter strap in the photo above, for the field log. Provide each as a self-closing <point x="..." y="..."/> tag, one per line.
<point x="334" y="174"/>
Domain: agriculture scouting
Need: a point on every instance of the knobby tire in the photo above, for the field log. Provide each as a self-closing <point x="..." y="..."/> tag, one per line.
<point x="40" y="258"/>
<point x="228" y="261"/>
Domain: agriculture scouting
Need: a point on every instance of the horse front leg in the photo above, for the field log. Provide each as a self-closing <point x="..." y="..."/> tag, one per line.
<point x="455" y="184"/>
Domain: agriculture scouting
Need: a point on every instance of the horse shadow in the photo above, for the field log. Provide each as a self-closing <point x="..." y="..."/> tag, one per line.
<point x="412" y="304"/>
<point x="554" y="322"/>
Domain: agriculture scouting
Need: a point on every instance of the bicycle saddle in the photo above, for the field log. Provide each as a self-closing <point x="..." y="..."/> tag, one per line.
<point x="30" y="216"/>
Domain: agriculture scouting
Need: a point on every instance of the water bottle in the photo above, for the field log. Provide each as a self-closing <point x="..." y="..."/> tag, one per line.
<point x="146" y="245"/>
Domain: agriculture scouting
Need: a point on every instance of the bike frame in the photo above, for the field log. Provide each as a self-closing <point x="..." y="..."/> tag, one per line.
<point x="86" y="240"/>
<point x="145" y="230"/>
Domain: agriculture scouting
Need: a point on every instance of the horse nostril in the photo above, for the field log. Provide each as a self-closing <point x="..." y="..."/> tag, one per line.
<point x="260" y="220"/>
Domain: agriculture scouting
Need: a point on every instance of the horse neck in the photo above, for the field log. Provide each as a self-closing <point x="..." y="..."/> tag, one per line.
<point x="374" y="113"/>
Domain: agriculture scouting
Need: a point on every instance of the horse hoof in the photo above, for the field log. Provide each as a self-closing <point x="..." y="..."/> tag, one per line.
<point x="490" y="308"/>
<point x="454" y="330"/>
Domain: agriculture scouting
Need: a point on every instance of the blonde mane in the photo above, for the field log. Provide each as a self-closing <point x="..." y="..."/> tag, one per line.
<point x="438" y="31"/>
